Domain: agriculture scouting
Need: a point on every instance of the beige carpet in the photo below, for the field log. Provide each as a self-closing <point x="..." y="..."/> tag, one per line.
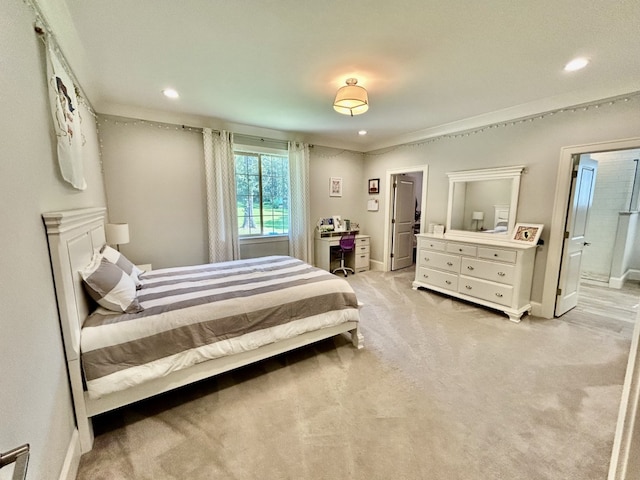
<point x="442" y="390"/>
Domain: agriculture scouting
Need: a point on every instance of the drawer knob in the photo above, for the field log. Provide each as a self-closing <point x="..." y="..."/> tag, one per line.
<point x="468" y="287"/>
<point x="499" y="295"/>
<point x="502" y="274"/>
<point x="469" y="267"/>
<point x="495" y="254"/>
<point x="450" y="264"/>
<point x="426" y="259"/>
<point x="448" y="282"/>
<point x="425" y="276"/>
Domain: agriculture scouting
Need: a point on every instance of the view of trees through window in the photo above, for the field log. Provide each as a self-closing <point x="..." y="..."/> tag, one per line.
<point x="262" y="191"/>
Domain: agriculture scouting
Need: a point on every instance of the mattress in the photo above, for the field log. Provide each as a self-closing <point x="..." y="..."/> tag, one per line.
<point x="193" y="314"/>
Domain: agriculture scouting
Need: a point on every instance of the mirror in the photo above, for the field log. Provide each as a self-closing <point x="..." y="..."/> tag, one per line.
<point x="483" y="202"/>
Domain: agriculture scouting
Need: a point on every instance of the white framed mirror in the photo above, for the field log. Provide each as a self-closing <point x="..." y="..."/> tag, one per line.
<point x="483" y="202"/>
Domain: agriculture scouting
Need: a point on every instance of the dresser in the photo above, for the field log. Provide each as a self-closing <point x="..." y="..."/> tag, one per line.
<point x="493" y="273"/>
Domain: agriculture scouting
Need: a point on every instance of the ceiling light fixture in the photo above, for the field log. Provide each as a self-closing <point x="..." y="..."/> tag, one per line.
<point x="351" y="99"/>
<point x="362" y="132"/>
<point x="170" y="93"/>
<point x="576" y="64"/>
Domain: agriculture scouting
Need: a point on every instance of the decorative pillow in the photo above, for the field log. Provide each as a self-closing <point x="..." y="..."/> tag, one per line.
<point x="110" y="286"/>
<point x="115" y="257"/>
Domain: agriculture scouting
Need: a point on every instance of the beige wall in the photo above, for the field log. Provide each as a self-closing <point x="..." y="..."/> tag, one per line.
<point x="35" y="403"/>
<point x="535" y="144"/>
<point x="155" y="182"/>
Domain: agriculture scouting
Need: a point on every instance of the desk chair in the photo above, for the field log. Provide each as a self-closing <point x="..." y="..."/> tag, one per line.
<point x="347" y="244"/>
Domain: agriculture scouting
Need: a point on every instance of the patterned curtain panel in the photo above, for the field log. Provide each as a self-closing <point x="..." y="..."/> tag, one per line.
<point x="66" y="120"/>
<point x="299" y="230"/>
<point x="221" y="196"/>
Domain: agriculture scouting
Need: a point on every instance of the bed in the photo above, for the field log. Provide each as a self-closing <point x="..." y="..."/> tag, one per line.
<point x="221" y="316"/>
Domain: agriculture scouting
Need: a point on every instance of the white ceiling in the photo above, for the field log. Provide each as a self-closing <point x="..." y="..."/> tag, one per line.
<point x="430" y="66"/>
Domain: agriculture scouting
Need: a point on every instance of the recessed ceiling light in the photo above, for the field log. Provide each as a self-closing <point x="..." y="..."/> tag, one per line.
<point x="576" y="64"/>
<point x="362" y="132"/>
<point x="170" y="93"/>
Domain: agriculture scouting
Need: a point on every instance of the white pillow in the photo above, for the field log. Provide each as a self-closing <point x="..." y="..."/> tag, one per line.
<point x="110" y="286"/>
<point x="115" y="257"/>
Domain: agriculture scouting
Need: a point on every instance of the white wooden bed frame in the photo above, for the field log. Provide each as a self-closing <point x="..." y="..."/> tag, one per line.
<point x="73" y="235"/>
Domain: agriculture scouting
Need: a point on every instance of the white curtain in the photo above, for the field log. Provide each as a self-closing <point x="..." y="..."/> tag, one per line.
<point x="300" y="212"/>
<point x="221" y="196"/>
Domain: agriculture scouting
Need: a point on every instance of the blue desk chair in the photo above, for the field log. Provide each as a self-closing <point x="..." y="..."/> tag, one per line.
<point x="347" y="244"/>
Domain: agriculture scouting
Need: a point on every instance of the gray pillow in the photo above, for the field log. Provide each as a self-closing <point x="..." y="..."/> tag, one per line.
<point x="110" y="286"/>
<point x="115" y="257"/>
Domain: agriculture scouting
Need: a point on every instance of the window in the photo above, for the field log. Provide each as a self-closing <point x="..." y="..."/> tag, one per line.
<point x="262" y="191"/>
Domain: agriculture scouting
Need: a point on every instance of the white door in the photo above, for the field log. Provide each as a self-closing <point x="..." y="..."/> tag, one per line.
<point x="580" y="199"/>
<point x="402" y="222"/>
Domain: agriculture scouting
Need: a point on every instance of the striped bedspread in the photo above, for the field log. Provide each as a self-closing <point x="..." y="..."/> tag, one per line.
<point x="192" y="314"/>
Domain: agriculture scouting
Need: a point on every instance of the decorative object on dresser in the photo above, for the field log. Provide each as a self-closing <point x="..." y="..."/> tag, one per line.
<point x="527" y="232"/>
<point x="493" y="273"/>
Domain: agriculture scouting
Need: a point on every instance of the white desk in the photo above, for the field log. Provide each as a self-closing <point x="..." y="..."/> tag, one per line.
<point x="358" y="259"/>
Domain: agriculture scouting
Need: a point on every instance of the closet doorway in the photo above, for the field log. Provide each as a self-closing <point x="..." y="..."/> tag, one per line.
<point x="418" y="176"/>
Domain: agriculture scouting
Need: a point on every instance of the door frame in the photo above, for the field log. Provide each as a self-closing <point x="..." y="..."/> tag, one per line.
<point x="560" y="212"/>
<point x="388" y="207"/>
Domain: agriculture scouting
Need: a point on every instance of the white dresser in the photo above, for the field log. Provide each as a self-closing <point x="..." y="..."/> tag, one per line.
<point x="488" y="272"/>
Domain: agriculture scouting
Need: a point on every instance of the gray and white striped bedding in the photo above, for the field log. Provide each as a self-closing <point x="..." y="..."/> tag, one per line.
<point x="192" y="314"/>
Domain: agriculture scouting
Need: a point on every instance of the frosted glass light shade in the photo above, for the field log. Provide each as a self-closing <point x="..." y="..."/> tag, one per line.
<point x="351" y="99"/>
<point x="477" y="216"/>
<point x="117" y="233"/>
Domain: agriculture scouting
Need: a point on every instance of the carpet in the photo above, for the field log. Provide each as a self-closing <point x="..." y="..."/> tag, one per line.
<point x="442" y="390"/>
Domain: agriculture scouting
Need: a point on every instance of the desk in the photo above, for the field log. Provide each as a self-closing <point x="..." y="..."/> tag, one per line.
<point x="325" y="242"/>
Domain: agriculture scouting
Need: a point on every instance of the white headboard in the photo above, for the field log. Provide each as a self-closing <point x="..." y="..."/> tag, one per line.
<point x="73" y="235"/>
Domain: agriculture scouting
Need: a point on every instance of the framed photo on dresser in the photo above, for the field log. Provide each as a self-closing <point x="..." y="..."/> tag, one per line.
<point x="527" y="232"/>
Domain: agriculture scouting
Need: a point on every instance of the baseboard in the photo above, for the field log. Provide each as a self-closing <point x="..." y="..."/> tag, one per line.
<point x="633" y="274"/>
<point x="536" y="309"/>
<point x="376" y="266"/>
<point x="72" y="459"/>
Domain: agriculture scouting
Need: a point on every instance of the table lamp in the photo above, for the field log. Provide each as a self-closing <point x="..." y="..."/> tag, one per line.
<point x="117" y="234"/>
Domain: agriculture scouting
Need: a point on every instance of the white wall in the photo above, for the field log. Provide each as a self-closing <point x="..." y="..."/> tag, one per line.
<point x="535" y="144"/>
<point x="612" y="194"/>
<point x="35" y="404"/>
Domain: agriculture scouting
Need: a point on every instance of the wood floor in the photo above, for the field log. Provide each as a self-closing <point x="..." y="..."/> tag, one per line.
<point x="606" y="309"/>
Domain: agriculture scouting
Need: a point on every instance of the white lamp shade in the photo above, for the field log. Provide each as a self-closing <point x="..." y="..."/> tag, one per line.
<point x="477" y="216"/>
<point x="117" y="233"/>
<point x="351" y="99"/>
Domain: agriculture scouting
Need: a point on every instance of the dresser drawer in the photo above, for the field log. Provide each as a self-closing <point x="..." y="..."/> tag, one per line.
<point x="433" y="245"/>
<point x="431" y="259"/>
<point x="438" y="278"/>
<point x="462" y="249"/>
<point x="490" y="291"/>
<point x="497" y="254"/>
<point x="496" y="272"/>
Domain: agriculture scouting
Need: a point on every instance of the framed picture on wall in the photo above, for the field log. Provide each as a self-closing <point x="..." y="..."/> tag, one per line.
<point x="374" y="185"/>
<point x="335" y="187"/>
<point x="527" y="232"/>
